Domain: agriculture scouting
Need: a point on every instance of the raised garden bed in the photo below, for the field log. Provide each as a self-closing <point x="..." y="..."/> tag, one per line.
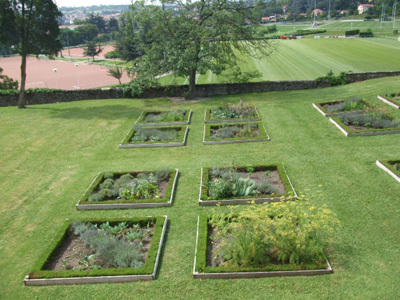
<point x="162" y="118"/>
<point x="234" y="133"/>
<point x="101" y="251"/>
<point x="124" y="190"/>
<point x="366" y="124"/>
<point x="212" y="261"/>
<point x="150" y="137"/>
<point x="391" y="99"/>
<point x="242" y="185"/>
<point x="229" y="112"/>
<point x="343" y="107"/>
<point x="391" y="167"/>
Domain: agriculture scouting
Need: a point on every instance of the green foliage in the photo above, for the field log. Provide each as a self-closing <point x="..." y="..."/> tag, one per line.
<point x="92" y="49"/>
<point x="129" y="187"/>
<point x="227" y="183"/>
<point x="235" y="74"/>
<point x="204" y="35"/>
<point x="308" y="31"/>
<point x="165" y="116"/>
<point x="352" y="32"/>
<point x="155" y="134"/>
<point x="109" y="244"/>
<point x="354" y="103"/>
<point x="397" y="166"/>
<point x="227" y="131"/>
<point x="116" y="72"/>
<point x="289" y="232"/>
<point x="112" y="54"/>
<point x="376" y="120"/>
<point x="7" y="83"/>
<point x="232" y="111"/>
<point x="333" y="80"/>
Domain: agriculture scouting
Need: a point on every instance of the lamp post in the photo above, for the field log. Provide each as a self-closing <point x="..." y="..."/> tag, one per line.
<point x="55" y="75"/>
<point x="77" y="75"/>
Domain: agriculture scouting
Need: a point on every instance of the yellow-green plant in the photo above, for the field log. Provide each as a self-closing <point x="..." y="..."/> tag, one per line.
<point x="287" y="232"/>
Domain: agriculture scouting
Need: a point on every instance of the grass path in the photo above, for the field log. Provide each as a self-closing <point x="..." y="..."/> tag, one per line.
<point x="49" y="154"/>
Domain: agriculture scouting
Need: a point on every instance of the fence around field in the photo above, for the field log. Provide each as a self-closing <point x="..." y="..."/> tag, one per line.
<point x="202" y="90"/>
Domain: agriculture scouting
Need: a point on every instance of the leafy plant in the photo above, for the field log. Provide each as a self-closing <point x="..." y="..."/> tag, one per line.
<point x="111" y="247"/>
<point x="230" y="131"/>
<point x="232" y="111"/>
<point x="397" y="166"/>
<point x="166" y="116"/>
<point x="154" y="134"/>
<point x="375" y="120"/>
<point x="287" y="232"/>
<point x="354" y="103"/>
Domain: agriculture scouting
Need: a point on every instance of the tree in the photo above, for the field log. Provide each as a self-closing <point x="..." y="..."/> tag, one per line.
<point x="35" y="31"/>
<point x="92" y="50"/>
<point x="202" y="35"/>
<point x="116" y="72"/>
<point x="98" y="21"/>
<point x="112" y="25"/>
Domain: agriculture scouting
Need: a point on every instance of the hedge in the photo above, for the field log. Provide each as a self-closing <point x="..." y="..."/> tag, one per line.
<point x="352" y="32"/>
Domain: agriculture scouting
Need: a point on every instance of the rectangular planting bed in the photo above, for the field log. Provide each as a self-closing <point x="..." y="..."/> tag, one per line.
<point x="206" y="265"/>
<point x="164" y="118"/>
<point x="101" y="251"/>
<point x="151" y="137"/>
<point x="343" y="107"/>
<point x="242" y="185"/>
<point x="124" y="190"/>
<point x="228" y="112"/>
<point x="365" y="125"/>
<point x="391" y="99"/>
<point x="391" y="167"/>
<point x="234" y="133"/>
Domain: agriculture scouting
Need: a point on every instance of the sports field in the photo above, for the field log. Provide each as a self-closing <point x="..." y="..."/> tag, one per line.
<point x="309" y="58"/>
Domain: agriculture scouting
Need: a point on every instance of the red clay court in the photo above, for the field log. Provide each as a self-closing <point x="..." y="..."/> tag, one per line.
<point x="68" y="75"/>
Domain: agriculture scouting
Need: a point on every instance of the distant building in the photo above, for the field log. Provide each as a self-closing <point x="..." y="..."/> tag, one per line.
<point x="344" y="12"/>
<point x="317" y="12"/>
<point x="71" y="27"/>
<point x="362" y="8"/>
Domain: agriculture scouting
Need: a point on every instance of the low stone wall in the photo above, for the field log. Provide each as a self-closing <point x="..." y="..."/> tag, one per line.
<point x="202" y="91"/>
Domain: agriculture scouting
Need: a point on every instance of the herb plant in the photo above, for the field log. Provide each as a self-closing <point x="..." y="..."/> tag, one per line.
<point x="230" y="131"/>
<point x="166" y="116"/>
<point x="285" y="232"/>
<point x="154" y="134"/>
<point x="232" y="111"/>
<point x="112" y="246"/>
<point x="130" y="187"/>
<point x="354" y="103"/>
<point x="376" y="120"/>
<point x="226" y="183"/>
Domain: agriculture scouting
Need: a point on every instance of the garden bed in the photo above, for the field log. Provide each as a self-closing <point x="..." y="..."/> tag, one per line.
<point x="144" y="189"/>
<point x="243" y="185"/>
<point x="234" y="133"/>
<point x="228" y="112"/>
<point x="392" y="167"/>
<point x="150" y="137"/>
<point x="352" y="129"/>
<point x="343" y="107"/>
<point x="164" y="118"/>
<point x="207" y="266"/>
<point x="121" y="250"/>
<point x="391" y="99"/>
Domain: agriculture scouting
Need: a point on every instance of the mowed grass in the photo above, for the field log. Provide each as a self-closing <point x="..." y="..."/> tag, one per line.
<point x="309" y="58"/>
<point x="49" y="154"/>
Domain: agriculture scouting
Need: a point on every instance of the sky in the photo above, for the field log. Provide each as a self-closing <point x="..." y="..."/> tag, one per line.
<point x="73" y="3"/>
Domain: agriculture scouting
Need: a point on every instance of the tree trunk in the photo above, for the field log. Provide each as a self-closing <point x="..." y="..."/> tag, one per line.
<point x="192" y="84"/>
<point x="21" y="99"/>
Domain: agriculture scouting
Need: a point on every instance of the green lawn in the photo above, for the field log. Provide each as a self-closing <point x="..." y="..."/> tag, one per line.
<point x="310" y="58"/>
<point x="49" y="154"/>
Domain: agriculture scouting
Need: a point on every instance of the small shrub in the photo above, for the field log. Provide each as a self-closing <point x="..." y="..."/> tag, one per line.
<point x="154" y="134"/>
<point x="230" y="131"/>
<point x="167" y="116"/>
<point x="288" y="232"/>
<point x="376" y="120"/>
<point x="232" y="111"/>
<point x="333" y="80"/>
<point x="397" y="166"/>
<point x="354" y="103"/>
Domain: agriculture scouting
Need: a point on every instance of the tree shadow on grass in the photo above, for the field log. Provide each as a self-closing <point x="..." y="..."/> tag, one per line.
<point x="106" y="112"/>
